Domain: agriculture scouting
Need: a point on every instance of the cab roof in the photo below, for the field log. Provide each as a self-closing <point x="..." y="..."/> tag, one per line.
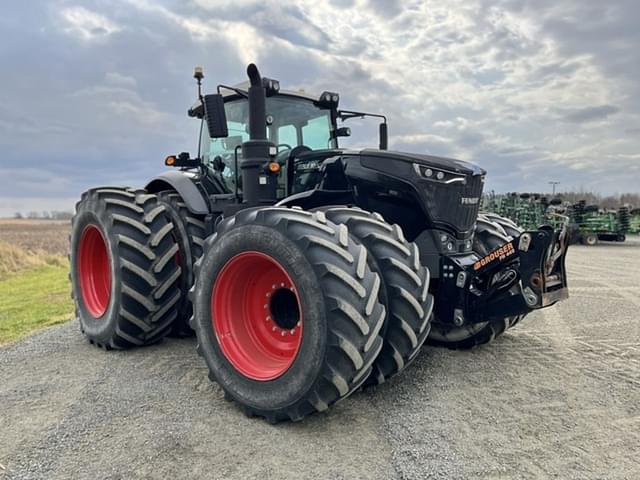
<point x="244" y="86"/>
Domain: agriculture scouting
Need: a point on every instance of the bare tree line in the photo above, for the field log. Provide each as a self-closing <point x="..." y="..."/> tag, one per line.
<point x="604" y="201"/>
<point x="45" y="215"/>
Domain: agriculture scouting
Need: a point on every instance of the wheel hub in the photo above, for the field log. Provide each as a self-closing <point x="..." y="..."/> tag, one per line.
<point x="94" y="271"/>
<point x="256" y="316"/>
<point x="284" y="308"/>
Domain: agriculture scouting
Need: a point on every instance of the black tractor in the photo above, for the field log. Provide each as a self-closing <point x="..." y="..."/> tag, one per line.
<point x="305" y="270"/>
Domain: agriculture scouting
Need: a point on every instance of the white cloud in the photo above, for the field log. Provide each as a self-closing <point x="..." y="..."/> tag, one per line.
<point x="215" y="5"/>
<point x="528" y="89"/>
<point x="87" y="25"/>
<point x="115" y="78"/>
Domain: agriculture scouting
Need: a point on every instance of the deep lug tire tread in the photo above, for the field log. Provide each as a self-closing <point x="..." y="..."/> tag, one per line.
<point x="190" y="232"/>
<point x="406" y="281"/>
<point x="510" y="228"/>
<point x="145" y="285"/>
<point x="349" y="292"/>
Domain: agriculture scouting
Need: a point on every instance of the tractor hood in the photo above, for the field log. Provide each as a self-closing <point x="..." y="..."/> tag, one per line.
<point x="448" y="190"/>
<point x="447" y="164"/>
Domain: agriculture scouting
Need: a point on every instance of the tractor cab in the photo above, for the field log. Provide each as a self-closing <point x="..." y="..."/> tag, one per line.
<point x="295" y="123"/>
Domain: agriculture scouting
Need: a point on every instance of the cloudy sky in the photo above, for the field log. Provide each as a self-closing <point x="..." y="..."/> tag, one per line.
<point x="95" y="92"/>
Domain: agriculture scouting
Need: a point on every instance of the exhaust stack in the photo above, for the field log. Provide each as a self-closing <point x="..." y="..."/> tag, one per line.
<point x="258" y="185"/>
<point x="257" y="105"/>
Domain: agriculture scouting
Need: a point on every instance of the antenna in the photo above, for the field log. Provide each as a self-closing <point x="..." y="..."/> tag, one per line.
<point x="198" y="74"/>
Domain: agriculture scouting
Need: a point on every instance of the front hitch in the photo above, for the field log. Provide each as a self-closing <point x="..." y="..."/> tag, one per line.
<point x="525" y="273"/>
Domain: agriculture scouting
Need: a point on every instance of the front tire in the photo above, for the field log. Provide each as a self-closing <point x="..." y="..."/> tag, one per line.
<point x="123" y="273"/>
<point x="511" y="229"/>
<point x="287" y="358"/>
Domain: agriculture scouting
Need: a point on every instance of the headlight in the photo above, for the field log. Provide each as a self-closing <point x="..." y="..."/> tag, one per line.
<point x="442" y="176"/>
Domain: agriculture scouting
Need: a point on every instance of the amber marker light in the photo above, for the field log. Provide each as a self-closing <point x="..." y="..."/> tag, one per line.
<point x="274" y="167"/>
<point x="170" y="160"/>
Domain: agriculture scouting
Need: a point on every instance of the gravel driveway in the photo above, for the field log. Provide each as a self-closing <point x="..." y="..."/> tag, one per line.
<point x="556" y="397"/>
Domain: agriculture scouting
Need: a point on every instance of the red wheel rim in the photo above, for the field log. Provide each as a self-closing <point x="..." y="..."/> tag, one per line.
<point x="256" y="316"/>
<point x="94" y="270"/>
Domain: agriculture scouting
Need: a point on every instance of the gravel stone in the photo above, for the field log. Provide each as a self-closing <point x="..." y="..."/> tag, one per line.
<point x="558" y="396"/>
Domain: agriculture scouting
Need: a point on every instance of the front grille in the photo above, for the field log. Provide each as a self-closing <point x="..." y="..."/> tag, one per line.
<point x="444" y="202"/>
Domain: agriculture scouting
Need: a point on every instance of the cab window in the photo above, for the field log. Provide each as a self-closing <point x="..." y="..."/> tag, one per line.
<point x="296" y="122"/>
<point x="287" y="135"/>
<point x="315" y="134"/>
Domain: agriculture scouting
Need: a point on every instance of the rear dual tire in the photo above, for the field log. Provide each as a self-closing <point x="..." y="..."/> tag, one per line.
<point x="123" y="271"/>
<point x="189" y="232"/>
<point x="404" y="292"/>
<point x="334" y="292"/>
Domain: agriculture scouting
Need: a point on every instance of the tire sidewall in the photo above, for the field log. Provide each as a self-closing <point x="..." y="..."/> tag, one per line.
<point x="301" y="375"/>
<point x="92" y="212"/>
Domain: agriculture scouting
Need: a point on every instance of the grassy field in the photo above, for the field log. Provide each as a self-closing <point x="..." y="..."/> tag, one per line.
<point x="34" y="287"/>
<point x="33" y="299"/>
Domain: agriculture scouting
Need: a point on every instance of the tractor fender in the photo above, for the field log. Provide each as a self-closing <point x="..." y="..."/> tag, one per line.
<point x="185" y="186"/>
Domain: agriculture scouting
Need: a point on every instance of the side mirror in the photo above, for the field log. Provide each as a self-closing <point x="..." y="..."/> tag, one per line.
<point x="215" y="116"/>
<point x="384" y="136"/>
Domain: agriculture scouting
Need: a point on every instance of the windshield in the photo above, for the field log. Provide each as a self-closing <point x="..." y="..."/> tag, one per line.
<point x="295" y="122"/>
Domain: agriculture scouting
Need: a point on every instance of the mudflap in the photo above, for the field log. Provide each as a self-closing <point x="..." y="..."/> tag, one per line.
<point x="524" y="274"/>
